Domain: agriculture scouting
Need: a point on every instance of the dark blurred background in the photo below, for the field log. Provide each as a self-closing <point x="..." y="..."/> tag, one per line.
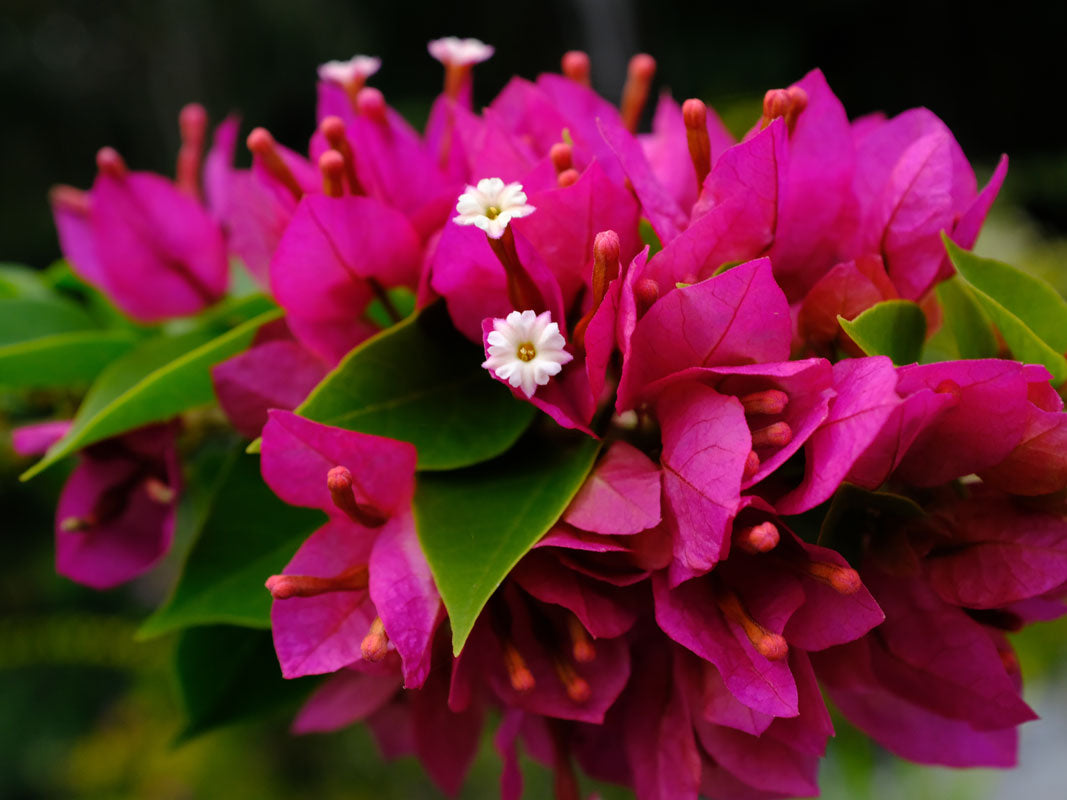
<point x="76" y="75"/>
<point x="84" y="710"/>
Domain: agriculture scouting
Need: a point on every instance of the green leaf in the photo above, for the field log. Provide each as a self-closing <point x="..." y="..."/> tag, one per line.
<point x="421" y="381"/>
<point x="249" y="535"/>
<point x="894" y="328"/>
<point x="475" y="524"/>
<point x="941" y="346"/>
<point x="403" y="301"/>
<point x="229" y="313"/>
<point x="726" y="266"/>
<point x="19" y="281"/>
<point x="650" y="237"/>
<point x="62" y="359"/>
<point x="227" y="674"/>
<point x="964" y="318"/>
<point x="1029" y="298"/>
<point x="23" y="318"/>
<point x="156" y="381"/>
<point x="1029" y="313"/>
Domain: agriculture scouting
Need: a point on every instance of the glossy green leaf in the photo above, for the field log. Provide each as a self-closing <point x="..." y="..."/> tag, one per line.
<point x="62" y="359"/>
<point x="476" y="523"/>
<point x="1029" y="298"/>
<point x="894" y="328"/>
<point x="226" y="674"/>
<point x="1029" y="313"/>
<point x="156" y="381"/>
<point x="965" y="321"/>
<point x="403" y="302"/>
<point x="248" y="535"/>
<point x="25" y="318"/>
<point x="941" y="346"/>
<point x="422" y="382"/>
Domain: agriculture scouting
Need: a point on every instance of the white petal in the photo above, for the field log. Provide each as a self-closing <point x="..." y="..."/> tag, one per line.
<point x="529" y="382"/>
<point x="494" y="227"/>
<point x="548" y="368"/>
<point x="491" y="188"/>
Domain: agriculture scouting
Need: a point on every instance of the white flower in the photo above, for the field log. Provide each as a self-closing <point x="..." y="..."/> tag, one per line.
<point x="491" y="205"/>
<point x="455" y="52"/>
<point x="526" y="349"/>
<point x="357" y="68"/>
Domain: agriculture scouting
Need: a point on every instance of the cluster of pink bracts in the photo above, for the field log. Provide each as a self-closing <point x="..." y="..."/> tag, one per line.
<point x="671" y="631"/>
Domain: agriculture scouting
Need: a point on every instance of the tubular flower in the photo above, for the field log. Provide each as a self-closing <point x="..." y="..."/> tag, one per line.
<point x="491" y="205"/>
<point x="525" y="350"/>
<point x="458" y="52"/>
<point x="357" y="68"/>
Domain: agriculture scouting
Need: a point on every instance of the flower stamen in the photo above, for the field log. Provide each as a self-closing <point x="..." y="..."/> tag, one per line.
<point x="339" y="482"/>
<point x="332" y="167"/>
<point x="263" y="148"/>
<point x="771" y="646"/>
<point x="769" y="401"/>
<point x="635" y="93"/>
<point x="67" y="198"/>
<point x="110" y="163"/>
<point x="760" y="538"/>
<point x="575" y="65"/>
<point x="605" y="270"/>
<point x="752" y="465"/>
<point x="370" y="103"/>
<point x="333" y="129"/>
<point x="375" y="644"/>
<point x="519" y="675"/>
<point x="581" y="643"/>
<point x="787" y="103"/>
<point x="192" y="122"/>
<point x="695" y="116"/>
<point x="282" y="587"/>
<point x="843" y="580"/>
<point x="777" y="434"/>
<point x="575" y="685"/>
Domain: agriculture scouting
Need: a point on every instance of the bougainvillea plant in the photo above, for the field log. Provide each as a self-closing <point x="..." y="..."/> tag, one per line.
<point x="636" y="447"/>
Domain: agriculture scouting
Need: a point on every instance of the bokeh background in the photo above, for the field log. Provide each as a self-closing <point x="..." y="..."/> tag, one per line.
<point x="85" y="711"/>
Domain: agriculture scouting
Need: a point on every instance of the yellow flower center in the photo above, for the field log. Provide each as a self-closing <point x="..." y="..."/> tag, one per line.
<point x="492" y="212"/>
<point x="526" y="351"/>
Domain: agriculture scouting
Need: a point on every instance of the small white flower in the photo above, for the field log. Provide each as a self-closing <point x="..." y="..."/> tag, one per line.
<point x="491" y="205"/>
<point x="455" y="52"/>
<point x="357" y="68"/>
<point x="526" y="349"/>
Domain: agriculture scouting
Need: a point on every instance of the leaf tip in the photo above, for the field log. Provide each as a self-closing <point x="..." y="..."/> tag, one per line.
<point x="34" y="471"/>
